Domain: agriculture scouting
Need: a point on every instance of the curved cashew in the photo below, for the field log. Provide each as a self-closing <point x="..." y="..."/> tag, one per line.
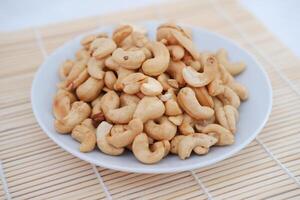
<point x="65" y="69"/>
<point x="90" y="89"/>
<point x="189" y="103"/>
<point x="174" y="143"/>
<point x="110" y="101"/>
<point x="149" y="108"/>
<point x="196" y="79"/>
<point x="159" y="64"/>
<point x="142" y="152"/>
<point x="85" y="133"/>
<point x="176" y="52"/>
<point x="188" y="143"/>
<point x="199" y="125"/>
<point x="123" y="138"/>
<point x="121" y="33"/>
<point x="175" y="70"/>
<point x="203" y="97"/>
<point x="233" y="68"/>
<point x="77" y="76"/>
<point x="166" y="143"/>
<point x="79" y="112"/>
<point x="187" y="43"/>
<point x="151" y="87"/>
<point x="164" y="33"/>
<point x="187" y="125"/>
<point x="172" y="107"/>
<point x="110" y="79"/>
<point x="97" y="115"/>
<point x="177" y="120"/>
<point x="103" y="130"/>
<point x="62" y="103"/>
<point x="229" y="97"/>
<point x="95" y="68"/>
<point x="163" y="79"/>
<point x="130" y="59"/>
<point x="102" y="47"/>
<point x="224" y="136"/>
<point x="189" y="61"/>
<point x="215" y="87"/>
<point x="160" y="129"/>
<point x="131" y="84"/>
<point x="87" y="40"/>
<point x="139" y="39"/>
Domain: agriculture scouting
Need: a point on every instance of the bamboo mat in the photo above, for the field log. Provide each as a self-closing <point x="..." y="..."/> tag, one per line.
<point x="34" y="167"/>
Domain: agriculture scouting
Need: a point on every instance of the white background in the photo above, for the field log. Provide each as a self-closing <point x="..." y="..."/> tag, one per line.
<point x="282" y="17"/>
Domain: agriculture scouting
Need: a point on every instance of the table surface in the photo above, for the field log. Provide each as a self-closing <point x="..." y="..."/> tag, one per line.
<point x="34" y="167"/>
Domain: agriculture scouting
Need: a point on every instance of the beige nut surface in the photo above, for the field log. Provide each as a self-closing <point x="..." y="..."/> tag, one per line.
<point x="177" y="120"/>
<point x="189" y="103"/>
<point x="102" y="47"/>
<point x="95" y="68"/>
<point x="62" y="103"/>
<point x="188" y="143"/>
<point x="77" y="75"/>
<point x="110" y="79"/>
<point x="224" y="136"/>
<point x="129" y="59"/>
<point x="122" y="138"/>
<point x="142" y="152"/>
<point x="103" y="131"/>
<point x="85" y="133"/>
<point x="175" y="70"/>
<point x="90" y="89"/>
<point x="79" y="112"/>
<point x="121" y="33"/>
<point x="187" y="125"/>
<point x="131" y="84"/>
<point x="159" y="64"/>
<point x="149" y="108"/>
<point x="151" y="87"/>
<point x="163" y="79"/>
<point x="203" y="97"/>
<point x="65" y="69"/>
<point x="233" y="68"/>
<point x="176" y="52"/>
<point x="229" y="97"/>
<point x="160" y="129"/>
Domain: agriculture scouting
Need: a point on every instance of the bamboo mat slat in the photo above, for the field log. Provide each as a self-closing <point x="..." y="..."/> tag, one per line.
<point x="36" y="168"/>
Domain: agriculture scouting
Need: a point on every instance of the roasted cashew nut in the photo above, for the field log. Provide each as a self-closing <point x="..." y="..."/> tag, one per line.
<point x="149" y="108"/>
<point x="229" y="97"/>
<point x="151" y="87"/>
<point x="142" y="152"/>
<point x="110" y="79"/>
<point x="233" y="68"/>
<point x="85" y="133"/>
<point x="132" y="83"/>
<point x="129" y="59"/>
<point x="126" y="137"/>
<point x="164" y="33"/>
<point x="121" y="33"/>
<point x="159" y="64"/>
<point x="103" y="131"/>
<point x="90" y="89"/>
<point x="188" y="143"/>
<point x="177" y="120"/>
<point x="102" y="47"/>
<point x="171" y="104"/>
<point x="189" y="61"/>
<point x="79" y="112"/>
<point x="203" y="97"/>
<point x="189" y="103"/>
<point x="187" y="125"/>
<point x="163" y="79"/>
<point x="62" y="103"/>
<point x="215" y="87"/>
<point x="77" y="76"/>
<point x="176" y="52"/>
<point x="175" y="70"/>
<point x="224" y="136"/>
<point x="95" y="68"/>
<point x="196" y="79"/>
<point x="65" y="69"/>
<point x="160" y="129"/>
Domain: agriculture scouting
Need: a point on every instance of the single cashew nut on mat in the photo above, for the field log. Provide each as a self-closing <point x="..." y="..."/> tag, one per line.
<point x="142" y="152"/>
<point x="160" y="129"/>
<point x="176" y="52"/>
<point x="151" y="87"/>
<point x="188" y="143"/>
<point x="233" y="68"/>
<point x="203" y="97"/>
<point x="79" y="112"/>
<point x="149" y="108"/>
<point x="196" y="79"/>
<point x="90" y="89"/>
<point x="95" y="68"/>
<point x="62" y="103"/>
<point x="175" y="70"/>
<point x="129" y="59"/>
<point x="121" y="33"/>
<point x="102" y="47"/>
<point x="65" y="69"/>
<point x="110" y="79"/>
<point x="132" y="83"/>
<point x="187" y="125"/>
<point x="189" y="103"/>
<point x="229" y="97"/>
<point x="103" y="131"/>
<point x="159" y="64"/>
<point x="224" y="136"/>
<point x="177" y="120"/>
<point x="85" y="133"/>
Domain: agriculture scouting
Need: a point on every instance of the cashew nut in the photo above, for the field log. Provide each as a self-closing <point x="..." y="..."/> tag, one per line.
<point x="62" y="103"/>
<point x="203" y="97"/>
<point x="85" y="133"/>
<point x="90" y="89"/>
<point x="110" y="79"/>
<point x="95" y="68"/>
<point x="175" y="70"/>
<point x="189" y="103"/>
<point x="77" y="75"/>
<point x="132" y="83"/>
<point x="188" y="143"/>
<point x="65" y="69"/>
<point x="102" y="47"/>
<point x="151" y="87"/>
<point x="187" y="125"/>
<point x="189" y="61"/>
<point x="121" y="33"/>
<point x="172" y="107"/>
<point x="130" y="59"/>
<point x="149" y="108"/>
<point x="176" y="52"/>
<point x="79" y="112"/>
<point x="163" y="79"/>
<point x="159" y="64"/>
<point x="160" y="129"/>
<point x="177" y="120"/>
<point x="229" y="97"/>
<point x="164" y="33"/>
<point x="142" y="152"/>
<point x="215" y="87"/>
<point x="233" y="68"/>
<point x="224" y="136"/>
<point x="103" y="131"/>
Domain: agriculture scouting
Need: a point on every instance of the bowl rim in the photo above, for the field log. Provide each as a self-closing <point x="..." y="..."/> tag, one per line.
<point x="171" y="169"/>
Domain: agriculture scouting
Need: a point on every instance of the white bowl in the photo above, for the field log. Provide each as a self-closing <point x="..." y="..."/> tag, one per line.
<point x="253" y="113"/>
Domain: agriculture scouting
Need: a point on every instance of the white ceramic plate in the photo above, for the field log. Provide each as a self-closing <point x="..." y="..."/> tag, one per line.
<point x="253" y="113"/>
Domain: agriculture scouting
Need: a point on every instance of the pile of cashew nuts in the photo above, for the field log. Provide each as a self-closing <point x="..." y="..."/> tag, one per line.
<point x="149" y="97"/>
